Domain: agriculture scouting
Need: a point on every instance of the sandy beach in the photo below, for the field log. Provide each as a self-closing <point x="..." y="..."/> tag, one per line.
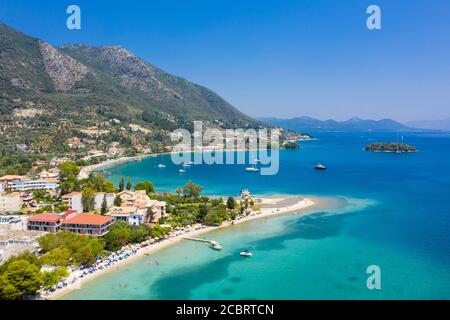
<point x="269" y="206"/>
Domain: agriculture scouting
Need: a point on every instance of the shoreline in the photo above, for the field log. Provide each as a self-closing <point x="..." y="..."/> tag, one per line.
<point x="271" y="209"/>
<point x="86" y="171"/>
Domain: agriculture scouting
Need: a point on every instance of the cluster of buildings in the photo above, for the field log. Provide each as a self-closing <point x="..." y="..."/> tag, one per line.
<point x="136" y="207"/>
<point x="13" y="189"/>
<point x="46" y="180"/>
<point x="85" y="223"/>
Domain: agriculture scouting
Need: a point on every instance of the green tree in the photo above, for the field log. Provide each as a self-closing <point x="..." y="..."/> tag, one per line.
<point x="192" y="190"/>
<point x="217" y="202"/>
<point x="119" y="235"/>
<point x="27" y="256"/>
<point x="56" y="257"/>
<point x="68" y="181"/>
<point x="83" y="249"/>
<point x="88" y="199"/>
<point x="117" y="201"/>
<point x="158" y="231"/>
<point x="68" y="168"/>
<point x="21" y="279"/>
<point x="202" y="212"/>
<point x="104" y="208"/>
<point x="129" y="184"/>
<point x="122" y="184"/>
<point x="139" y="234"/>
<point x="98" y="183"/>
<point x="231" y="203"/>
<point x="145" y="185"/>
<point x="52" y="278"/>
<point x="213" y="218"/>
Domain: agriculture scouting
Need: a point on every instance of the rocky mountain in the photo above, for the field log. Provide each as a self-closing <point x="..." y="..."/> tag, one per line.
<point x="307" y="124"/>
<point x="48" y="93"/>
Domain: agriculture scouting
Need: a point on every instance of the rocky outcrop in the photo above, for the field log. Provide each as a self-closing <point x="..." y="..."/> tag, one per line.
<point x="133" y="71"/>
<point x="62" y="69"/>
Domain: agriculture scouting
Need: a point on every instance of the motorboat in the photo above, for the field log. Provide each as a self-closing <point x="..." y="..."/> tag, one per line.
<point x="215" y="245"/>
<point x="161" y="165"/>
<point x="181" y="171"/>
<point x="246" y="253"/>
<point x="251" y="169"/>
<point x="320" y="166"/>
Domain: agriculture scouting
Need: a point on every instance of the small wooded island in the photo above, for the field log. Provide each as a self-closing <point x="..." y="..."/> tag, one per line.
<point x="390" y="147"/>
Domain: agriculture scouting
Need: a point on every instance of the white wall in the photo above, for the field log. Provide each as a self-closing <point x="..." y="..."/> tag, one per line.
<point x="99" y="200"/>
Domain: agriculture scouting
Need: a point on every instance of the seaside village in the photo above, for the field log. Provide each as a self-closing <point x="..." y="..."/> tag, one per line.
<point x="25" y="215"/>
<point x="66" y="223"/>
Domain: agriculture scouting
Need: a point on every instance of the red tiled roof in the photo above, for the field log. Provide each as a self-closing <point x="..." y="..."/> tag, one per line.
<point x="86" y="218"/>
<point x="45" y="217"/>
<point x="67" y="213"/>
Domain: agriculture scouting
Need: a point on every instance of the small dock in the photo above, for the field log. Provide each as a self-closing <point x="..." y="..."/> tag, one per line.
<point x="201" y="240"/>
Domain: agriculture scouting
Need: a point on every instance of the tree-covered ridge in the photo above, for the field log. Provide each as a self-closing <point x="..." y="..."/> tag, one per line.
<point x="113" y="90"/>
<point x="390" y="147"/>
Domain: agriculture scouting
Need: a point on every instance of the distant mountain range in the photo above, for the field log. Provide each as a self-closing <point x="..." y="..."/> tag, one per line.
<point x="431" y="124"/>
<point x="307" y="124"/>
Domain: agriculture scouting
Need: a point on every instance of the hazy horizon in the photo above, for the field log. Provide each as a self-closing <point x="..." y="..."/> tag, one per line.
<point x="283" y="59"/>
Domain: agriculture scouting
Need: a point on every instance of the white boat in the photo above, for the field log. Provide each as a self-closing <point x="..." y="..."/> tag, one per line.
<point x="246" y="253"/>
<point x="161" y="165"/>
<point x="186" y="165"/>
<point x="215" y="245"/>
<point x="251" y="169"/>
<point x="181" y="171"/>
<point x="320" y="166"/>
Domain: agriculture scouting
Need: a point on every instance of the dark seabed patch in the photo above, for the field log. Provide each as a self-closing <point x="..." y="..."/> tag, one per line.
<point x="318" y="226"/>
<point x="235" y="279"/>
<point x="180" y="285"/>
<point x="227" y="291"/>
<point x="353" y="279"/>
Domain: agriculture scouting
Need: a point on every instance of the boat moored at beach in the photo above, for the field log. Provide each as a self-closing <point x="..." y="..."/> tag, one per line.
<point x="215" y="245"/>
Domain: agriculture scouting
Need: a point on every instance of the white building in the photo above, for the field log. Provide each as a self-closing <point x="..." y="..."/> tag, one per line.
<point x="49" y="184"/>
<point x="99" y="200"/>
<point x="137" y="208"/>
<point x="73" y="201"/>
<point x="132" y="215"/>
<point x="10" y="202"/>
<point x="13" y="243"/>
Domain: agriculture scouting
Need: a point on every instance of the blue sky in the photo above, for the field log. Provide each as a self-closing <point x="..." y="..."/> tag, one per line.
<point x="281" y="58"/>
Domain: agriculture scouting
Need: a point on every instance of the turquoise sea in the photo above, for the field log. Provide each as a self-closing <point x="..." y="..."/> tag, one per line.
<point x="390" y="210"/>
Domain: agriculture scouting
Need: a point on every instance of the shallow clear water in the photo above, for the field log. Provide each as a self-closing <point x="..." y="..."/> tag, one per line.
<point x="384" y="209"/>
